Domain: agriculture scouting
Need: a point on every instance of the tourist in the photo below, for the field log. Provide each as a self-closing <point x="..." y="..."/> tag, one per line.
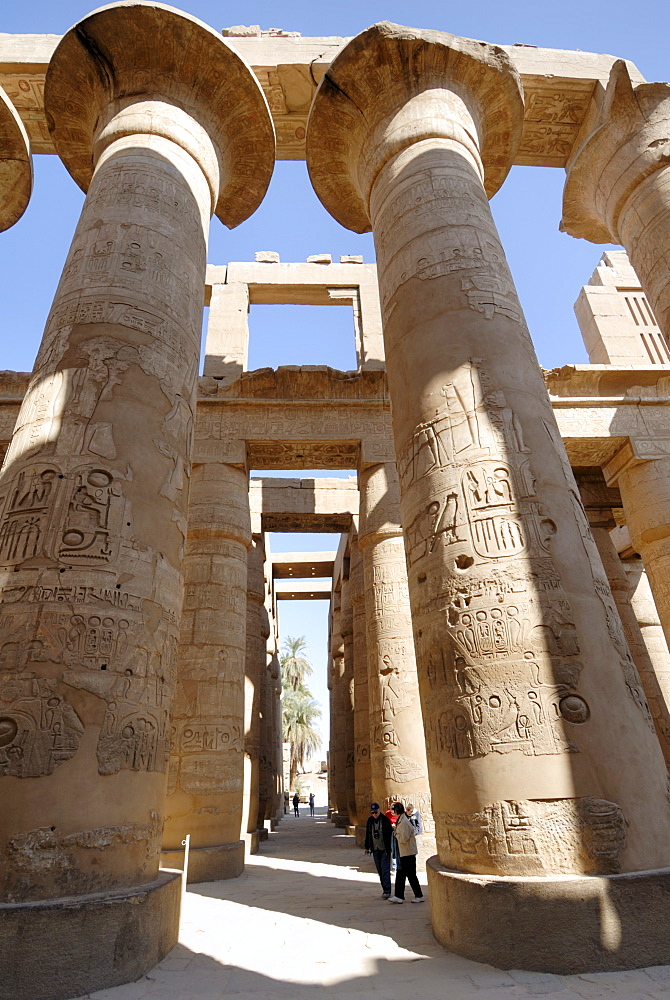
<point x="296" y="803"/>
<point x="378" y="839"/>
<point x="406" y="839"/>
<point x="311" y="803"/>
<point x="286" y="803"/>
<point x="414" y="816"/>
<point x="392" y="817"/>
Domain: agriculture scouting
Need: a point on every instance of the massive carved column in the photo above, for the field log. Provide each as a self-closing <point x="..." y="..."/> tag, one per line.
<point x="16" y="168"/>
<point x="397" y="743"/>
<point x="362" y="775"/>
<point x="206" y="775"/>
<point x="641" y="470"/>
<point x="618" y="184"/>
<point x="256" y="667"/>
<point x="651" y="630"/>
<point x="641" y="670"/>
<point x="94" y="490"/>
<point x="347" y="695"/>
<point x="337" y="784"/>
<point x="522" y="670"/>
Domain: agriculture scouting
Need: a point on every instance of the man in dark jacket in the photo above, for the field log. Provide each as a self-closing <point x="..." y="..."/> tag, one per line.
<point x="378" y="832"/>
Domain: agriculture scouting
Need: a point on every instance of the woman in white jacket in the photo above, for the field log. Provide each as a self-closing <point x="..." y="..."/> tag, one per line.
<point x="406" y="840"/>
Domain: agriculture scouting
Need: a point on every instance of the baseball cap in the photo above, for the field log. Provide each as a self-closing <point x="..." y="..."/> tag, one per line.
<point x="374" y="806"/>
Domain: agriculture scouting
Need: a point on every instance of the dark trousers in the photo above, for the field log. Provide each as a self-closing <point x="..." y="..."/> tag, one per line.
<point x="295" y="811"/>
<point x="383" y="866"/>
<point x="311" y="810"/>
<point x="406" y="870"/>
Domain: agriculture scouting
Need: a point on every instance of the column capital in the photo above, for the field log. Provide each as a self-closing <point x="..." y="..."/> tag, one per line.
<point x="630" y="141"/>
<point x="634" y="451"/>
<point x="391" y="87"/>
<point x="147" y="69"/>
<point x="16" y="168"/>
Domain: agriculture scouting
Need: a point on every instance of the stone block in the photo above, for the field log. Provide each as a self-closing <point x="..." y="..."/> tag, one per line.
<point x="209" y="864"/>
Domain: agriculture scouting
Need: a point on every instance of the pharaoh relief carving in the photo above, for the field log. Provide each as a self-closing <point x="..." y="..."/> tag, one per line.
<point x="536" y="837"/>
<point x="512" y="665"/>
<point x="39" y="729"/>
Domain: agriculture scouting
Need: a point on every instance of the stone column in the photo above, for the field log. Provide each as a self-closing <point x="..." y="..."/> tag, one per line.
<point x="16" y="166"/>
<point x="642" y="473"/>
<point x="362" y="775"/>
<point x="397" y="742"/>
<point x="254" y="681"/>
<point x="641" y="670"/>
<point x="337" y="754"/>
<point x="644" y="608"/>
<point x="206" y="775"/>
<point x="522" y="670"/>
<point x="94" y="490"/>
<point x="347" y="695"/>
<point x="618" y="184"/>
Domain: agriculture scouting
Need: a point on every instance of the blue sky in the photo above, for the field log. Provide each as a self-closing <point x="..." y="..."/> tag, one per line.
<point x="548" y="267"/>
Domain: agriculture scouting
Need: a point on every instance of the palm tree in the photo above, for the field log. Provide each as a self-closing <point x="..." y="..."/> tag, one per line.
<point x="299" y="713"/>
<point x="294" y="666"/>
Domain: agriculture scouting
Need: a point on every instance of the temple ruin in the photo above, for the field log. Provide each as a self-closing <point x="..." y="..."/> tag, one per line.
<point x="500" y="606"/>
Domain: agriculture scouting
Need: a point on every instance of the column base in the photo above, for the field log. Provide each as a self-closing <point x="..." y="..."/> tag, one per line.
<point x="359" y="833"/>
<point x="340" y="820"/>
<point x="567" y="925"/>
<point x="427" y="848"/>
<point x="263" y="833"/>
<point x="251" y="841"/>
<point x="59" y="948"/>
<point x="208" y="864"/>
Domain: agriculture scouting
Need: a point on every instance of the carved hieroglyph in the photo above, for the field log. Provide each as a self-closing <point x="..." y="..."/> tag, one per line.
<point x="397" y="745"/>
<point x="16" y="169"/>
<point x="206" y="775"/>
<point x="618" y="186"/>
<point x="93" y="493"/>
<point x="521" y="657"/>
<point x="362" y="773"/>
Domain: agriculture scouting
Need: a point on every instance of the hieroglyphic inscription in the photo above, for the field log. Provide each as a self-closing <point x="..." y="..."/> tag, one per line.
<point x="509" y="661"/>
<point x="582" y="835"/>
<point x="39" y="729"/>
<point x="74" y="520"/>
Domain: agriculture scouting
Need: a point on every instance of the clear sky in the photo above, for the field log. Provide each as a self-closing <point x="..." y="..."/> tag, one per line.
<point x="549" y="267"/>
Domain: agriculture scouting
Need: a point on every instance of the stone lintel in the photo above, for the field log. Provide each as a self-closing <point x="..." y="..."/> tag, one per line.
<point x="299" y="284"/>
<point x="558" y="86"/>
<point x="303" y="590"/>
<point x="287" y="565"/>
<point x="304" y="504"/>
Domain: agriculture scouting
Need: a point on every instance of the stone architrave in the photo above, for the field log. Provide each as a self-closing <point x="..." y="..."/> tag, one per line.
<point x="207" y="763"/>
<point x="16" y="166"/>
<point x="256" y="668"/>
<point x="362" y="774"/>
<point x="337" y="784"/>
<point x="618" y="184"/>
<point x="397" y="745"/>
<point x="642" y="670"/>
<point x="522" y="663"/>
<point x="95" y="484"/>
<point x="347" y="695"/>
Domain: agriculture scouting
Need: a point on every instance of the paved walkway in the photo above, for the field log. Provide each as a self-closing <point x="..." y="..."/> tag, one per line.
<point x="306" y="919"/>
